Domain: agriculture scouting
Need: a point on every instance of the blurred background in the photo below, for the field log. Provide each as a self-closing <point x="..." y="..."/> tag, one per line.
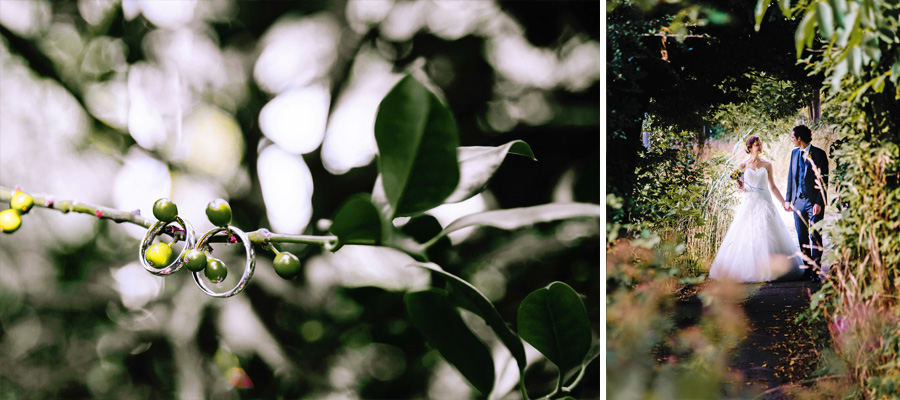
<point x="271" y="106"/>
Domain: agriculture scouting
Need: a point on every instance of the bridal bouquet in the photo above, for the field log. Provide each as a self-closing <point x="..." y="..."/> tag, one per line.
<point x="738" y="175"/>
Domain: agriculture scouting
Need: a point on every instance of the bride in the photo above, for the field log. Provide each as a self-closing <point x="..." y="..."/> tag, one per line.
<point x="757" y="246"/>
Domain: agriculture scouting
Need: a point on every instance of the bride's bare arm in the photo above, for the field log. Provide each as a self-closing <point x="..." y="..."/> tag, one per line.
<point x="739" y="183"/>
<point x="772" y="186"/>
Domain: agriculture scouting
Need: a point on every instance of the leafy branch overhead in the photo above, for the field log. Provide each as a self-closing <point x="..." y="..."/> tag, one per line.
<point x="421" y="166"/>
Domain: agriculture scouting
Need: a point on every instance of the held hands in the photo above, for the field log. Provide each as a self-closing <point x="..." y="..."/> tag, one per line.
<point x="816" y="208"/>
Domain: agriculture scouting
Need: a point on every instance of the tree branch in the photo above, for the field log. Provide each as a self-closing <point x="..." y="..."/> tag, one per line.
<point x="261" y="237"/>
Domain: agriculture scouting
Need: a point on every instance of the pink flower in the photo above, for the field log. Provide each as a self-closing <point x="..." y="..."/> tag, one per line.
<point x="839" y="324"/>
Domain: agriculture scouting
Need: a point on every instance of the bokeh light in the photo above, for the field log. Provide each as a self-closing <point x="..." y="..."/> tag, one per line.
<point x="287" y="188"/>
<point x="295" y="51"/>
<point x="295" y="120"/>
<point x="121" y="102"/>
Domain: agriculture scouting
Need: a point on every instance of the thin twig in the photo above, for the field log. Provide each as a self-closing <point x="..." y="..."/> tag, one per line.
<point x="261" y="237"/>
<point x="672" y="35"/>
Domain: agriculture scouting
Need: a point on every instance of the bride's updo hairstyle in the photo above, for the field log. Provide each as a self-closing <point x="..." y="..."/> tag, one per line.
<point x="750" y="142"/>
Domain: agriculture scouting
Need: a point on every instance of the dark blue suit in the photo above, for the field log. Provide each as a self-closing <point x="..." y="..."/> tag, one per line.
<point x="803" y="194"/>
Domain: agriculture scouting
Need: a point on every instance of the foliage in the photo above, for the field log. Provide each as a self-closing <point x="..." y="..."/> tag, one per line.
<point x="342" y="329"/>
<point x="543" y="314"/>
<point x="861" y="57"/>
<point x="658" y="346"/>
<point x="684" y="197"/>
<point x="776" y="98"/>
<point x="553" y="319"/>
<point x="685" y="91"/>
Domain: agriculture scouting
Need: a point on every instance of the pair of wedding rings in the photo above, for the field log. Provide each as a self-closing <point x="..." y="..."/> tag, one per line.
<point x="189" y="243"/>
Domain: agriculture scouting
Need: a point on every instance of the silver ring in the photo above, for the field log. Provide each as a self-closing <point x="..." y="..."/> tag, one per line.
<point x="155" y="231"/>
<point x="248" y="268"/>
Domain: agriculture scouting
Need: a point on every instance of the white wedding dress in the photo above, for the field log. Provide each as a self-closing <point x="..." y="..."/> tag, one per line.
<point x="757" y="246"/>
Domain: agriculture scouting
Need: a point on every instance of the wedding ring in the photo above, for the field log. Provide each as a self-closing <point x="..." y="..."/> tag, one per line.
<point x="248" y="268"/>
<point x="155" y="231"/>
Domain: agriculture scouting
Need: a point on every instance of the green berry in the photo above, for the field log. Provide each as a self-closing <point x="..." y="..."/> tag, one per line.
<point x="195" y="260"/>
<point x="165" y="210"/>
<point x="10" y="221"/>
<point x="219" y="212"/>
<point x="287" y="265"/>
<point x="159" y="255"/>
<point x="215" y="270"/>
<point x="21" y="202"/>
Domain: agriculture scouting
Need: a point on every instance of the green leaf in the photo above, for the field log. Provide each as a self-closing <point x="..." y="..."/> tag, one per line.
<point x="850" y="26"/>
<point x="878" y="83"/>
<point x="555" y="322"/>
<point x="591" y="355"/>
<point x="423" y="227"/>
<point x="785" y="6"/>
<point x="805" y="31"/>
<point x="432" y="314"/>
<point x="417" y="141"/>
<point x="477" y="164"/>
<point x="826" y="19"/>
<point x="464" y="295"/>
<point x="839" y="7"/>
<point x="357" y="222"/>
<point x="515" y="218"/>
<point x="854" y="59"/>
<point x="760" y="11"/>
<point x="839" y="71"/>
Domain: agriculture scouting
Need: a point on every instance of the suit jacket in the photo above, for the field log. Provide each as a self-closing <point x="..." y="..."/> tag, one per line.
<point x="820" y="160"/>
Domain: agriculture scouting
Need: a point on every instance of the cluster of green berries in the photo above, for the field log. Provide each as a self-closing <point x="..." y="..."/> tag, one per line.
<point x="219" y="213"/>
<point x="19" y="204"/>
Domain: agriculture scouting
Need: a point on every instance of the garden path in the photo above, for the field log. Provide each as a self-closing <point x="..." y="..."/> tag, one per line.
<point x="778" y="352"/>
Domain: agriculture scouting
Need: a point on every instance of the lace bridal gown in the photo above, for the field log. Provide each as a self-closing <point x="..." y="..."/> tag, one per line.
<point x="757" y="246"/>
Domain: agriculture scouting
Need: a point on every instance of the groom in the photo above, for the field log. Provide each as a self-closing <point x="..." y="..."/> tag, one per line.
<point x="803" y="196"/>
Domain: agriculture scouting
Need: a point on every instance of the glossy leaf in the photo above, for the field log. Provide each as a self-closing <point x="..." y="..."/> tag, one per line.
<point x="435" y="317"/>
<point x="554" y="320"/>
<point x="515" y="218"/>
<point x="591" y="355"/>
<point x="357" y="222"/>
<point x="464" y="295"/>
<point x="417" y="141"/>
<point x="477" y="164"/>
<point x="423" y="227"/>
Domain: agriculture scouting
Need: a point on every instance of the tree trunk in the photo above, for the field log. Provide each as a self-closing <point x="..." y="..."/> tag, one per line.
<point x="815" y="107"/>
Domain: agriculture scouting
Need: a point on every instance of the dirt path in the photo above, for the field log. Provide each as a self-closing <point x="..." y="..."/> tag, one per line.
<point x="777" y="350"/>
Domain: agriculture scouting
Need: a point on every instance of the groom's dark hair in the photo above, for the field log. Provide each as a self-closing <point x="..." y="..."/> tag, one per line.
<point x="803" y="133"/>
